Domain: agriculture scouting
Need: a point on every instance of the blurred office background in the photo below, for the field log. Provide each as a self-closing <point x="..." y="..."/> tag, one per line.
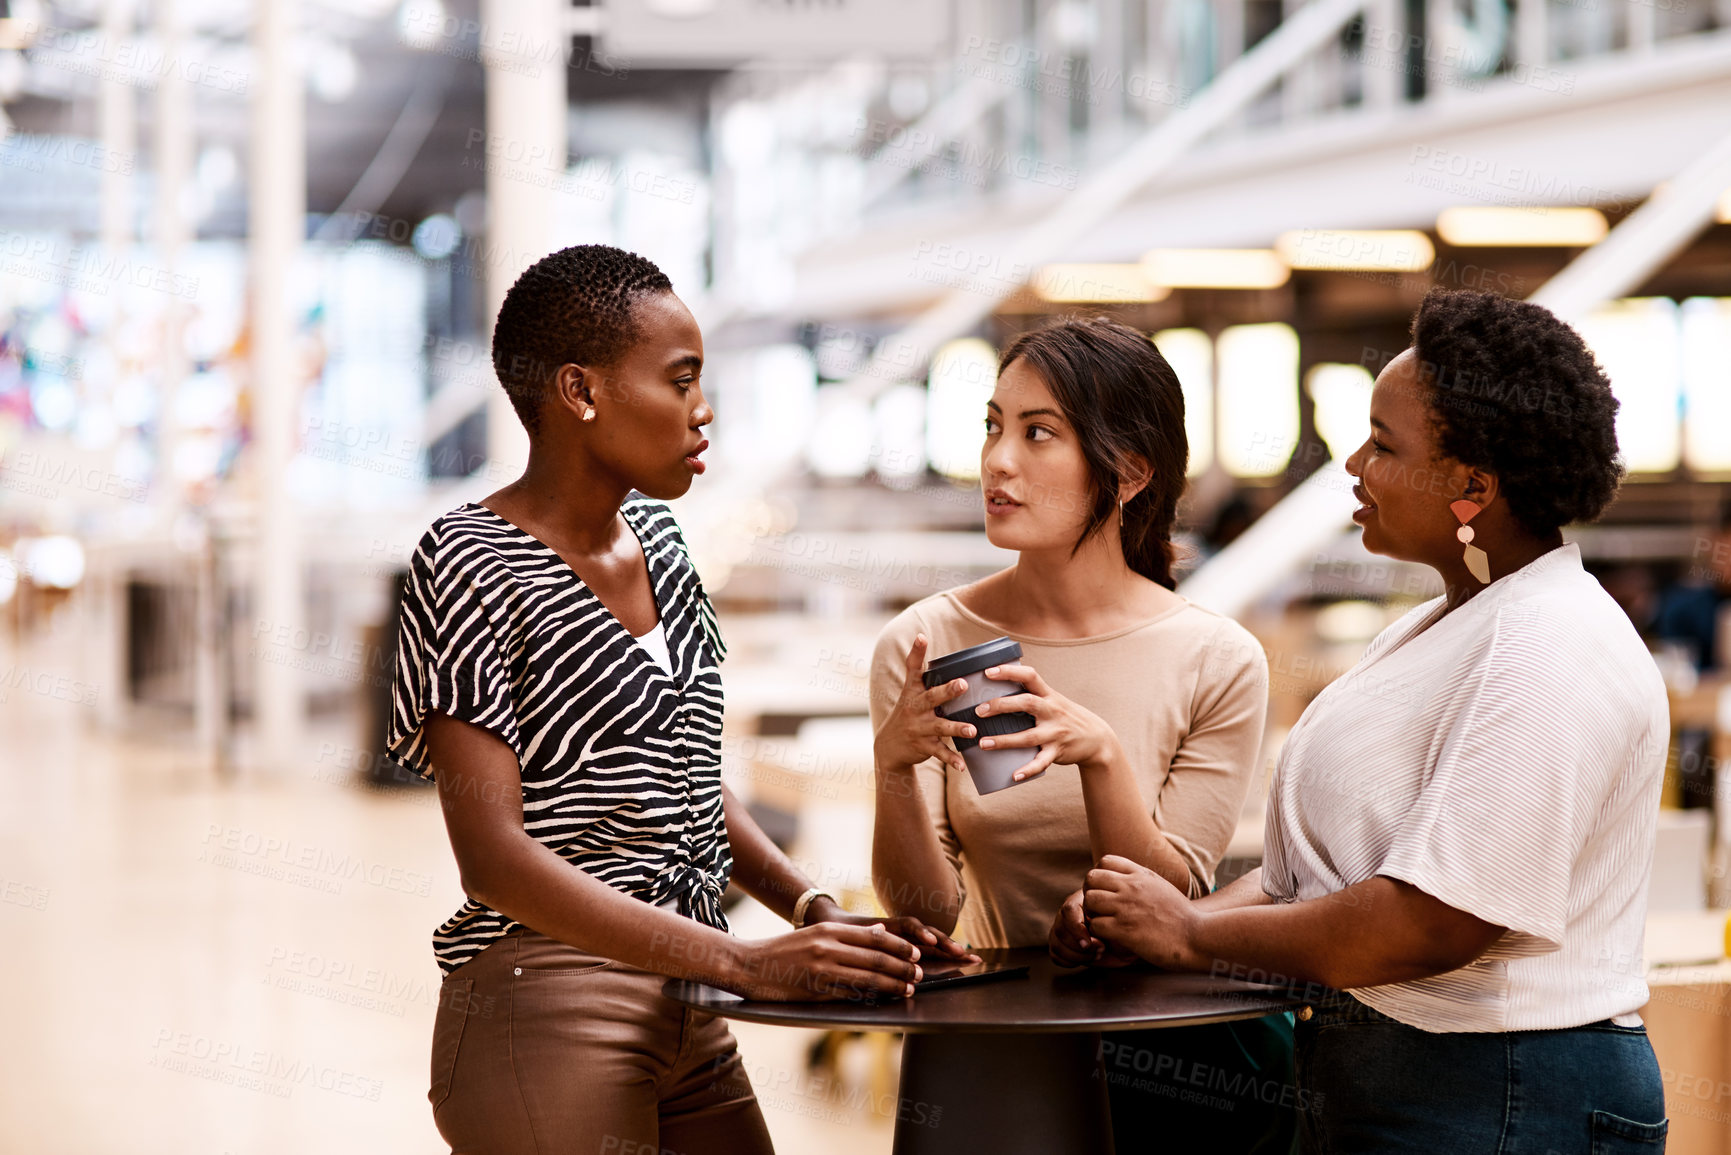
<point x="250" y="252"/>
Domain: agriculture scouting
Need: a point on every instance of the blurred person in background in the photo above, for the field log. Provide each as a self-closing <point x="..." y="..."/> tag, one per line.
<point x="1460" y="830"/>
<point x="558" y="678"/>
<point x="1149" y="709"/>
<point x="1636" y="593"/>
<point x="1697" y="610"/>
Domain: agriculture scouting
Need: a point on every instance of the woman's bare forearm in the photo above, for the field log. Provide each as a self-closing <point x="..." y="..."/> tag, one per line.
<point x="910" y="872"/>
<point x="1243" y="891"/>
<point x="1121" y="821"/>
<point x="759" y="866"/>
<point x="1376" y="932"/>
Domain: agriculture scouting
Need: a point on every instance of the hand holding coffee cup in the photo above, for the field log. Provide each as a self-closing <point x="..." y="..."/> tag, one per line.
<point x="915" y="730"/>
<point x="1061" y="730"/>
<point x="992" y="766"/>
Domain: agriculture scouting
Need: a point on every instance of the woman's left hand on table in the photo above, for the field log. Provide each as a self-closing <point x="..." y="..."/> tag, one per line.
<point x="1072" y="945"/>
<point x="1133" y="908"/>
<point x="933" y="943"/>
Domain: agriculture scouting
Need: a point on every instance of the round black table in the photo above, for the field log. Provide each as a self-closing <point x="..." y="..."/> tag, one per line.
<point x="1012" y="1065"/>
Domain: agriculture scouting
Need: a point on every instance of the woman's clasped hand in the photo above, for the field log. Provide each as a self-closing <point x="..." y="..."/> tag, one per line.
<point x="1134" y="913"/>
<point x="1073" y="943"/>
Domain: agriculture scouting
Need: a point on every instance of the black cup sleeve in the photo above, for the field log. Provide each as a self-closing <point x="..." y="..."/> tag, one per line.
<point x="990" y="726"/>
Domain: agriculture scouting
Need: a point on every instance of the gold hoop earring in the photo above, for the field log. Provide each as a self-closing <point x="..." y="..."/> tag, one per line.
<point x="1478" y="562"/>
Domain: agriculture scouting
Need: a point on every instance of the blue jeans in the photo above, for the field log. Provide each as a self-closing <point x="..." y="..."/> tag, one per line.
<point x="1379" y="1085"/>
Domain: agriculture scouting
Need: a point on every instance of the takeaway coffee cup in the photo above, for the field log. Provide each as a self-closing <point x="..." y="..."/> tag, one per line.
<point x="990" y="769"/>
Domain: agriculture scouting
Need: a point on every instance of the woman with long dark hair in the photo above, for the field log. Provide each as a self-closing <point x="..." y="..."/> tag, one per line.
<point x="1149" y="712"/>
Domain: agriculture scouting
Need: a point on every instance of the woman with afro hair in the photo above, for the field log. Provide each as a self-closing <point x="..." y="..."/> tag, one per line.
<point x="1460" y="828"/>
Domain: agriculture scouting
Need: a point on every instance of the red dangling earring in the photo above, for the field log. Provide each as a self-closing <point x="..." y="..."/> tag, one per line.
<point x="1478" y="562"/>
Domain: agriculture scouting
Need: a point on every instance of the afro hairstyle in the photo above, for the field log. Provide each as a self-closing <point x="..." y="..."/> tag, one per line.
<point x="1515" y="390"/>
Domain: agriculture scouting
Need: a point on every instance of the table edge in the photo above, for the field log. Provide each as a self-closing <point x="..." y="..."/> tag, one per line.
<point x="773" y="1015"/>
<point x="1077" y="1027"/>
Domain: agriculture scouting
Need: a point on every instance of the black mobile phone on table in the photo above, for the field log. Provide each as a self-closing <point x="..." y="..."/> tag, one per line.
<point x="955" y="976"/>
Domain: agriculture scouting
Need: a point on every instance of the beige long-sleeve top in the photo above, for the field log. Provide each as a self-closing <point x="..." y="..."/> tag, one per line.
<point x="1187" y="695"/>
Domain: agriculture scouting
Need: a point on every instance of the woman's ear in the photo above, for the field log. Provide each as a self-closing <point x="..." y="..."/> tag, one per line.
<point x="574" y="389"/>
<point x="1137" y="473"/>
<point x="1479" y="486"/>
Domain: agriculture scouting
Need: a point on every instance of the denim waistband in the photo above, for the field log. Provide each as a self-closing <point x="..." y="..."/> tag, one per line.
<point x="1335" y="1008"/>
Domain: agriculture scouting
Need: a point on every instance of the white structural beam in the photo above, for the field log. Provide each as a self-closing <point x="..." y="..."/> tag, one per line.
<point x="117" y="122"/>
<point x="906" y="353"/>
<point x="1384" y="27"/>
<point x="277" y="204"/>
<point x="523" y="45"/>
<point x="1298" y="526"/>
<point x="171" y="160"/>
<point x="1532" y="35"/>
<point x="1645" y="240"/>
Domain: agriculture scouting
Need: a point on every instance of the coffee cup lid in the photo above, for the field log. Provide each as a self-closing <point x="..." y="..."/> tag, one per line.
<point x="971" y="660"/>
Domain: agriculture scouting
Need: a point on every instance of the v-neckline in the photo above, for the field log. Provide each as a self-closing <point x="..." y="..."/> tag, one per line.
<point x="1547" y="558"/>
<point x="1425" y="625"/>
<point x="655" y="585"/>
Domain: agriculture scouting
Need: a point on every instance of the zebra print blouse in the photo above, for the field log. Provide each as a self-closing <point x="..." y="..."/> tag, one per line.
<point x="620" y="761"/>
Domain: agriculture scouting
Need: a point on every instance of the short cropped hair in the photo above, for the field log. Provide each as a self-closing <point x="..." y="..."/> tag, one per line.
<point x="572" y="307"/>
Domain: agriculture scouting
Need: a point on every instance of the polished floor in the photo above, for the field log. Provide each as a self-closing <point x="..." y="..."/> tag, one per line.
<point x="195" y="966"/>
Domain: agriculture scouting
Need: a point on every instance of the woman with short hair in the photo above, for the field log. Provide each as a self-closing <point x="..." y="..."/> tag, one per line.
<point x="558" y="678"/>
<point x="1460" y="828"/>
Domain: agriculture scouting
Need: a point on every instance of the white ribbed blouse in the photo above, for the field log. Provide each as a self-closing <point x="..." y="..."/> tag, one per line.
<point x="1508" y="761"/>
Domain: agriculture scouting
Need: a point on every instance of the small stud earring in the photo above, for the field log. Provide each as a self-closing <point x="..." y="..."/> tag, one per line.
<point x="1478" y="562"/>
<point x="589" y="415"/>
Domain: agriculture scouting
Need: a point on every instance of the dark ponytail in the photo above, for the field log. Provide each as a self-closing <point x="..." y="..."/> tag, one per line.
<point x="1124" y="401"/>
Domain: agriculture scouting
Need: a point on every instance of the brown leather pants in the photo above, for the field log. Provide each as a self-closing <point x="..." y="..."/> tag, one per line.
<point x="541" y="1049"/>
